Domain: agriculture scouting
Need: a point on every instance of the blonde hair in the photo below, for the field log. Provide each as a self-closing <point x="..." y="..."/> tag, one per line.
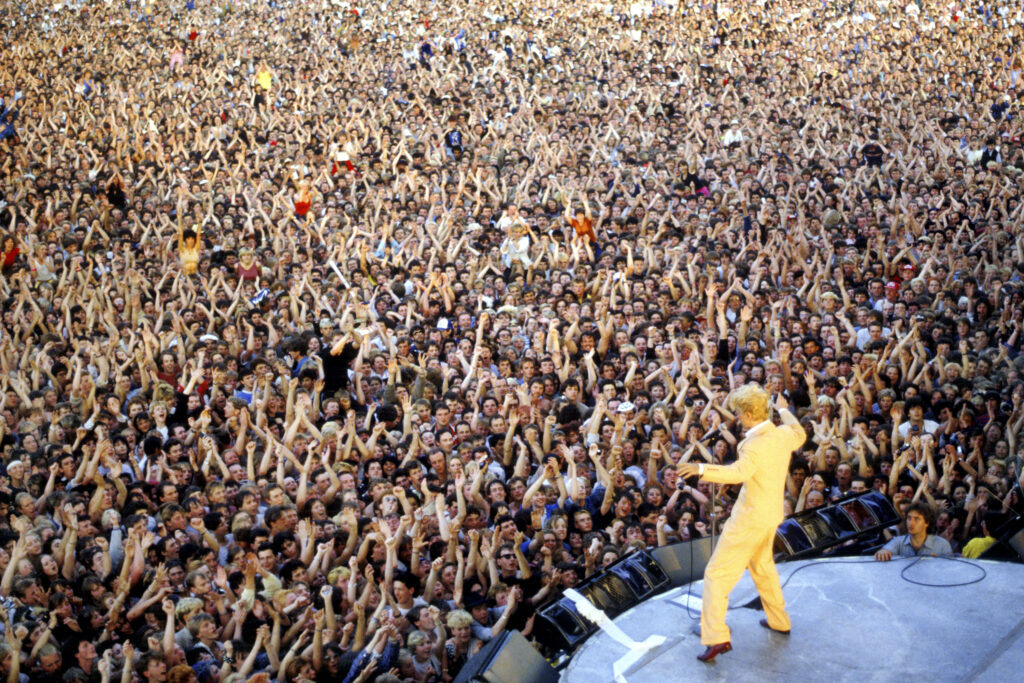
<point x="751" y="400"/>
<point x="825" y="401"/>
<point x="186" y="605"/>
<point x="329" y="431"/>
<point x="459" y="618"/>
<point x="338" y="573"/>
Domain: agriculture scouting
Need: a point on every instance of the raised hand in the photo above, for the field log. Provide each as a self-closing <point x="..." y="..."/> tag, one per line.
<point x="781" y="402"/>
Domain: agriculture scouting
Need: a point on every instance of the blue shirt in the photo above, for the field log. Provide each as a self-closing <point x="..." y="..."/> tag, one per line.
<point x="933" y="545"/>
<point x="387" y="658"/>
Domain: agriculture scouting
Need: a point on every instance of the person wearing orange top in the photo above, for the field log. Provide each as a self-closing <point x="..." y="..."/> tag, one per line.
<point x="582" y="221"/>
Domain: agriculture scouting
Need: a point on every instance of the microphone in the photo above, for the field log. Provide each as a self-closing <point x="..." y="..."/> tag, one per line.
<point x="710" y="433"/>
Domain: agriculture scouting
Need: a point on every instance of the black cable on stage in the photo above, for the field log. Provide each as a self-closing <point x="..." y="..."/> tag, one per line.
<point x="984" y="573"/>
<point x="831" y="560"/>
<point x="903" y="573"/>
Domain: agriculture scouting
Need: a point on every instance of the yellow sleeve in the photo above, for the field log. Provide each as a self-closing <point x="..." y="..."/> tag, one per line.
<point x="736" y="473"/>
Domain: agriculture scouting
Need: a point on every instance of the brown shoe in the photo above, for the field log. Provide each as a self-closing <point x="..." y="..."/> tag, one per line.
<point x="713" y="651"/>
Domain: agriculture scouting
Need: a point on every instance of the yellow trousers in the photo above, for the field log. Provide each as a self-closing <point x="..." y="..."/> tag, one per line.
<point x="738" y="549"/>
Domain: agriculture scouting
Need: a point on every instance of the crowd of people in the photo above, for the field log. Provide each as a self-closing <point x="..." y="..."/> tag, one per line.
<point x="338" y="339"/>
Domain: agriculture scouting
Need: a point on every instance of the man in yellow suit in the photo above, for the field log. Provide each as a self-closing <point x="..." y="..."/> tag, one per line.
<point x="746" y="541"/>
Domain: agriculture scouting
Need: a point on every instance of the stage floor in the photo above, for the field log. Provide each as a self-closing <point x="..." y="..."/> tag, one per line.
<point x="853" y="620"/>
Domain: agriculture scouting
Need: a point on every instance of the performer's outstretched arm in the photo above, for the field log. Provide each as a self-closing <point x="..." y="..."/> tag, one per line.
<point x="736" y="473"/>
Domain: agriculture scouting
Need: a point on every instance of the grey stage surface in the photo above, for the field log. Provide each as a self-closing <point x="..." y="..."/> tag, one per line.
<point x="852" y="621"/>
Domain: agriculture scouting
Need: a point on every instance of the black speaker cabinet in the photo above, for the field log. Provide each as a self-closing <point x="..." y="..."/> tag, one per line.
<point x="684" y="562"/>
<point x="507" y="658"/>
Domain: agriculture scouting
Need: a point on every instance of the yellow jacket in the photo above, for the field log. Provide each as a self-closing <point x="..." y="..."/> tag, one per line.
<point x="762" y="467"/>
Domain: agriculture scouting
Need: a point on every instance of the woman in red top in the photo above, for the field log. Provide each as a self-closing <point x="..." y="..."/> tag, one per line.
<point x="303" y="199"/>
<point x="247" y="268"/>
<point x="9" y="254"/>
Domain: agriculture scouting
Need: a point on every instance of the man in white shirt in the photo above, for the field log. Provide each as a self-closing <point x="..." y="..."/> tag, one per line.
<point x="734" y="135"/>
<point x="916" y="425"/>
<point x="516" y="247"/>
<point x="509" y="218"/>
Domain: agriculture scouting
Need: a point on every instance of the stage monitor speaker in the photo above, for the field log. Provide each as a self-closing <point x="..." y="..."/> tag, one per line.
<point x="609" y="592"/>
<point x="804" y="533"/>
<point x="839" y="523"/>
<point x="791" y="540"/>
<point x="625" y="583"/>
<point x="507" y="658"/>
<point x="1010" y="546"/>
<point x="559" y="627"/>
<point x="1017" y="543"/>
<point x="613" y="590"/>
<point x="880" y="507"/>
<point x="643" y="574"/>
<point x="813" y="531"/>
<point x="684" y="562"/>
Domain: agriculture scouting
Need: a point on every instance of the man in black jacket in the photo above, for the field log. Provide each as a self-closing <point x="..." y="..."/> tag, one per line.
<point x="990" y="153"/>
<point x="343" y="350"/>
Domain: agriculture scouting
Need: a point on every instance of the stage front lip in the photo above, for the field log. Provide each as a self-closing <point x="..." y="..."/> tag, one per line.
<point x="853" y="620"/>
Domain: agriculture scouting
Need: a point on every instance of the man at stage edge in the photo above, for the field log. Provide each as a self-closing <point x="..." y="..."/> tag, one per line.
<point x="917" y="540"/>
